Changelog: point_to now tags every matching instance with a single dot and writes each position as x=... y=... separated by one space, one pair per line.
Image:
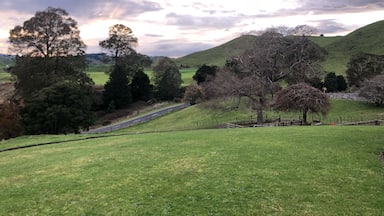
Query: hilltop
x=368 y=39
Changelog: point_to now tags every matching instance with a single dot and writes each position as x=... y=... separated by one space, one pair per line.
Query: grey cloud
x=330 y=27
x=341 y=5
x=154 y=35
x=83 y=8
x=174 y=48
x=188 y=21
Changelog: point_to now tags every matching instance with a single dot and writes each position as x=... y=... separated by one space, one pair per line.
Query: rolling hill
x=368 y=39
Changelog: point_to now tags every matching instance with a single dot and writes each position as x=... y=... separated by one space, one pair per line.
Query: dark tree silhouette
x=167 y=80
x=205 y=72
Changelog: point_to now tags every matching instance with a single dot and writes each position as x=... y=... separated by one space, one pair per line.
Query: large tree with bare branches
x=272 y=59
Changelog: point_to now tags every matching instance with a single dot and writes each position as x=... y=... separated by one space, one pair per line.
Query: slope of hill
x=219 y=54
x=369 y=39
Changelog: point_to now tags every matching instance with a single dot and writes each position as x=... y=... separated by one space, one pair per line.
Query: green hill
x=368 y=39
x=219 y=54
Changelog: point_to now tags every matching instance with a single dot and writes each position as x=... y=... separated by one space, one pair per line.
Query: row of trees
x=55 y=95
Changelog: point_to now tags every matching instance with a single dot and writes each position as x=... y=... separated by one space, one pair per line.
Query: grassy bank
x=255 y=171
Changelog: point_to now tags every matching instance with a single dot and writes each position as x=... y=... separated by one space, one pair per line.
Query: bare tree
x=303 y=98
x=272 y=59
x=373 y=90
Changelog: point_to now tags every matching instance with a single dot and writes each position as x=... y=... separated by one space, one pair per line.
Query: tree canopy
x=167 y=79
x=302 y=98
x=60 y=108
x=120 y=41
x=49 y=33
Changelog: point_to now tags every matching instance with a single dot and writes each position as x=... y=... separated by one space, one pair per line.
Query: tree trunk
x=260 y=119
x=305 y=116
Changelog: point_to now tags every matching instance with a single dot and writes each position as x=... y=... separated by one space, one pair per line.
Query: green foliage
x=253 y=171
x=140 y=86
x=36 y=73
x=167 y=80
x=364 y=66
x=330 y=82
x=117 y=89
x=63 y=107
x=205 y=72
x=341 y=83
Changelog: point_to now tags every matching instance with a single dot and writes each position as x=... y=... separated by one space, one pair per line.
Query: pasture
x=199 y=117
x=100 y=78
x=5 y=77
x=252 y=171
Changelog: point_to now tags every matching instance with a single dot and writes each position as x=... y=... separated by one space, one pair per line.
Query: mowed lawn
x=253 y=171
x=100 y=78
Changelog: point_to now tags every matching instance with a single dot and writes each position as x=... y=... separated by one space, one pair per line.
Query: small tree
x=167 y=80
x=341 y=83
x=120 y=41
x=141 y=86
x=303 y=98
x=373 y=90
x=117 y=90
x=194 y=94
x=330 y=82
x=204 y=72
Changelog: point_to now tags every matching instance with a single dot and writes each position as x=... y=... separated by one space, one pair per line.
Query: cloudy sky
x=178 y=27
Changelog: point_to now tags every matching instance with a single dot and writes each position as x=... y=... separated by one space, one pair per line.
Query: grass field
x=255 y=171
x=100 y=78
x=196 y=117
x=5 y=77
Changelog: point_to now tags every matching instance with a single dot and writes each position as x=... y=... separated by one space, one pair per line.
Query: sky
x=176 y=28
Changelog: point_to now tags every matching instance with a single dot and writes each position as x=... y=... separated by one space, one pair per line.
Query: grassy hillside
x=254 y=171
x=218 y=55
x=367 y=39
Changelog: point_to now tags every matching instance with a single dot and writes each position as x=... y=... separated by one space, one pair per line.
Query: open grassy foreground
x=253 y=171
